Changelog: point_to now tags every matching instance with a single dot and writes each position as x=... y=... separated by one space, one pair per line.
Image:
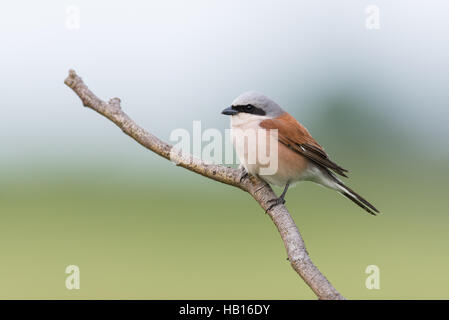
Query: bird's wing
x=296 y=137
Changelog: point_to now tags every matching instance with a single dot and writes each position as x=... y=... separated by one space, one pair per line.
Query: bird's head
x=253 y=104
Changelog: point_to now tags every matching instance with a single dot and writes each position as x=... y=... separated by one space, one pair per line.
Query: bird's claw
x=276 y=201
x=243 y=175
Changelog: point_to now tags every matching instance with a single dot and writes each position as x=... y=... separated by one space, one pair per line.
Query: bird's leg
x=279 y=200
x=244 y=174
x=285 y=191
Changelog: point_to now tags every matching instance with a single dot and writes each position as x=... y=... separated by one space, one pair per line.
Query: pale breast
x=244 y=138
x=261 y=154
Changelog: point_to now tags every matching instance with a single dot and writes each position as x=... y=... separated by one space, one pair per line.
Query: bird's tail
x=356 y=198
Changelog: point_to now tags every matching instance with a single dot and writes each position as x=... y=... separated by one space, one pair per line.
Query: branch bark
x=258 y=189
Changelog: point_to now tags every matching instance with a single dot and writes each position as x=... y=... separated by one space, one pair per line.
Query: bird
x=299 y=156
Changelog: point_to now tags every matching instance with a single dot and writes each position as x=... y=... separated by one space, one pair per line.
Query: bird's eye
x=249 y=107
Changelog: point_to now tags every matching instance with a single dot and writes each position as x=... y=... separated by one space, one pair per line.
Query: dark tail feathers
x=357 y=199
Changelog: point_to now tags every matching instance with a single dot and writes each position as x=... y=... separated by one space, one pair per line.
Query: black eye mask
x=249 y=108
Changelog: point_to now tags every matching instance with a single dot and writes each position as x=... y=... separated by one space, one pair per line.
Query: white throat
x=244 y=119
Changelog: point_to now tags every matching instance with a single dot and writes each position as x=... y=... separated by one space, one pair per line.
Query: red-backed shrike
x=298 y=156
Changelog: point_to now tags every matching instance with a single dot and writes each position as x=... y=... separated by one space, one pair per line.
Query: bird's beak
x=229 y=111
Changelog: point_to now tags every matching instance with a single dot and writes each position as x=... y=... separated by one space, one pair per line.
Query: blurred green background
x=75 y=190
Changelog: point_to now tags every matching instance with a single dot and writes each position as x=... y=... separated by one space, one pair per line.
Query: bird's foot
x=243 y=174
x=275 y=202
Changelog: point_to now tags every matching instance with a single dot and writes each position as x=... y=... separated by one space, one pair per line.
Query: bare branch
x=257 y=188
